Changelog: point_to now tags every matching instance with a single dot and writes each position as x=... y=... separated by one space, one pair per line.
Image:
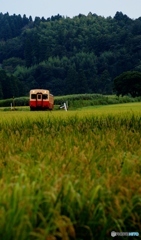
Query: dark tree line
x=10 y=86
x=83 y=54
x=128 y=83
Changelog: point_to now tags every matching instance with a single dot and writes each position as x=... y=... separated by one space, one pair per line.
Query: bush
x=75 y=101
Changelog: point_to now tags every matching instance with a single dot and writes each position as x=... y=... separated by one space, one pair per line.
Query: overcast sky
x=70 y=8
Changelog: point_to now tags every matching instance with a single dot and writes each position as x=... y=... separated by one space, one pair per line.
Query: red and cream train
x=41 y=99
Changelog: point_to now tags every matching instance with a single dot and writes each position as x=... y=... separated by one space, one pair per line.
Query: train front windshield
x=33 y=96
x=45 y=96
x=39 y=96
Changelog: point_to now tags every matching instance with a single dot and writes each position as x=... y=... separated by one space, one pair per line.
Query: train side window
x=33 y=96
x=45 y=96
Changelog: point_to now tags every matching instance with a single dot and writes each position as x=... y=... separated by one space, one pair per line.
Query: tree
x=28 y=53
x=80 y=54
x=82 y=82
x=105 y=85
x=10 y=64
x=1 y=93
x=71 y=81
x=128 y=83
x=9 y=85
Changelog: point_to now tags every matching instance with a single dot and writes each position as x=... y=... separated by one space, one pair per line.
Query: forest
x=83 y=54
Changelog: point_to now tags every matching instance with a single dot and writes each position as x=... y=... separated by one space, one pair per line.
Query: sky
x=71 y=8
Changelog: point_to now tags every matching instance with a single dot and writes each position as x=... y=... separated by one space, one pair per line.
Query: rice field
x=70 y=175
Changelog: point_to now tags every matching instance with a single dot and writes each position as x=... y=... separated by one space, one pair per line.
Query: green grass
x=75 y=101
x=70 y=175
x=114 y=108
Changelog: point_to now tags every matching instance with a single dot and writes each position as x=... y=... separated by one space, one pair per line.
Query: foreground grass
x=69 y=175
